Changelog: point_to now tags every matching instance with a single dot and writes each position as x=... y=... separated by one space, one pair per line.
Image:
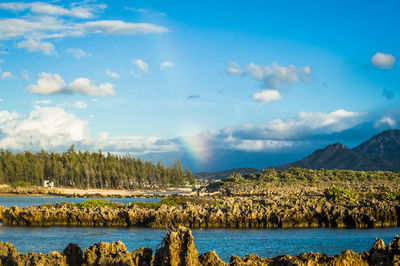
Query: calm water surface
x=28 y=201
x=266 y=243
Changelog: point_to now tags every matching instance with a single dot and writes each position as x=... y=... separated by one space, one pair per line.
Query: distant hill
x=223 y=174
x=381 y=152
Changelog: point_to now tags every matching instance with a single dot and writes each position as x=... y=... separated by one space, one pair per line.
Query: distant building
x=47 y=183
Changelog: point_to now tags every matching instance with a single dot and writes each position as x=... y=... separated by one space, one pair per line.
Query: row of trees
x=89 y=170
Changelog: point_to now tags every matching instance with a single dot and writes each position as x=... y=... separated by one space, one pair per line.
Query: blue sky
x=216 y=84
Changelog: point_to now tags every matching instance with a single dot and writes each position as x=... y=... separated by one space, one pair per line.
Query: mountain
x=223 y=174
x=381 y=152
x=385 y=145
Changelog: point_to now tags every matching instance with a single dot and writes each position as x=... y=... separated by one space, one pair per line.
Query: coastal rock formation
x=10 y=256
x=74 y=254
x=270 y=211
x=211 y=258
x=108 y=254
x=178 y=249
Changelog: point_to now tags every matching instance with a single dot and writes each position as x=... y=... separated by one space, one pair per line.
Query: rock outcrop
x=269 y=211
x=178 y=249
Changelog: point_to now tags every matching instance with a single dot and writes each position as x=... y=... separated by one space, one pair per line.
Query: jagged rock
x=348 y=258
x=378 y=255
x=53 y=258
x=73 y=254
x=7 y=249
x=108 y=254
x=211 y=258
x=178 y=249
x=142 y=256
x=8 y=254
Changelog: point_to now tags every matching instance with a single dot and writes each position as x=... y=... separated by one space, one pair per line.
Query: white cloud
x=25 y=76
x=37 y=27
x=119 y=27
x=166 y=64
x=111 y=74
x=78 y=53
x=48 y=27
x=80 y=104
x=272 y=77
x=6 y=74
x=48 y=83
x=267 y=96
x=45 y=102
x=235 y=69
x=382 y=60
x=48 y=126
x=275 y=76
x=53 y=126
x=385 y=122
x=53 y=10
x=136 y=144
x=1 y=100
x=141 y=65
x=86 y=86
x=261 y=145
x=6 y=117
x=37 y=46
x=304 y=124
x=133 y=9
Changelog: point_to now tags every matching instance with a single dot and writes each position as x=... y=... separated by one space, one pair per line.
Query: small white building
x=47 y=183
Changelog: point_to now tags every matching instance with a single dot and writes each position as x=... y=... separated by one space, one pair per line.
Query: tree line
x=89 y=170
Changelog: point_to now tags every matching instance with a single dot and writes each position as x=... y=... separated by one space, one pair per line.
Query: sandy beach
x=7 y=190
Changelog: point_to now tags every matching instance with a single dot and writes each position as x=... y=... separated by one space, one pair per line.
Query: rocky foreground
x=178 y=248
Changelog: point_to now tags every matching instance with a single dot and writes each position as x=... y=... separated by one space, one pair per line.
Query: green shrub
x=217 y=203
x=235 y=178
x=390 y=196
x=95 y=203
x=171 y=201
x=337 y=194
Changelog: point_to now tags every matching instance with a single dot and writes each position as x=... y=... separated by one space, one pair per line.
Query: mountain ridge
x=380 y=152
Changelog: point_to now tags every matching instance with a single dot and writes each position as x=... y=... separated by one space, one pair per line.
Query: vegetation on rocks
x=280 y=207
x=340 y=183
x=96 y=203
x=178 y=249
x=338 y=194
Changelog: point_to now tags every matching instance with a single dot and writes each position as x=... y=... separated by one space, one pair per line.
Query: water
x=226 y=242
x=29 y=201
x=263 y=242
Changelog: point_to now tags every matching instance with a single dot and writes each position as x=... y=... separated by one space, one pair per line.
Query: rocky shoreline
x=237 y=212
x=178 y=248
